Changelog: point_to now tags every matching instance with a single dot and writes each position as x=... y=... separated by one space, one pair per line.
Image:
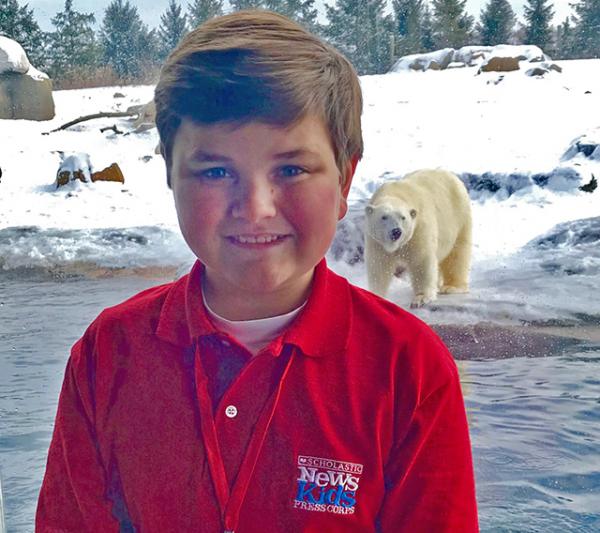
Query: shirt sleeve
x=429 y=476
x=73 y=497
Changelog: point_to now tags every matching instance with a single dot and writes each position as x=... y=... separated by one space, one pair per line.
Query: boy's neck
x=233 y=303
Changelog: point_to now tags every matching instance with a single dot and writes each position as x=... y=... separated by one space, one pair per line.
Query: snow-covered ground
x=509 y=136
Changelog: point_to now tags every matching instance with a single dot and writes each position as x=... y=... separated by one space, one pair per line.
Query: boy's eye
x=214 y=173
x=290 y=171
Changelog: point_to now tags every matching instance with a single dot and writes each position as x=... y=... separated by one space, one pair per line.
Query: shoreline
x=481 y=340
x=487 y=340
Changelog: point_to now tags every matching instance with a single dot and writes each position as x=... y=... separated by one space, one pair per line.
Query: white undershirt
x=253 y=334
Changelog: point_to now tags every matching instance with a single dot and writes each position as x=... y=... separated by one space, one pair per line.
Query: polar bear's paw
x=449 y=289
x=420 y=300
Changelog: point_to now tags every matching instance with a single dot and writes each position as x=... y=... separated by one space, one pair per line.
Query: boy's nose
x=255 y=201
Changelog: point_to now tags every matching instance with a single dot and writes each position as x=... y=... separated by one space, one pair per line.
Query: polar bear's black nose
x=395 y=234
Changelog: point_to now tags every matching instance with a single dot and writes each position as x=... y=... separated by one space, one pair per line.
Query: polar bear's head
x=391 y=224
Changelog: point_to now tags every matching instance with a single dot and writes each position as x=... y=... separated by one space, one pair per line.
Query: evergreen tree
x=302 y=11
x=565 y=40
x=237 y=5
x=127 y=44
x=18 y=23
x=497 y=23
x=201 y=10
x=538 y=19
x=362 y=32
x=72 y=44
x=587 y=31
x=408 y=15
x=452 y=26
x=427 y=39
x=173 y=26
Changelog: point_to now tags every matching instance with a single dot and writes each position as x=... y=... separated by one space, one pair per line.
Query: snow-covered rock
x=568 y=249
x=12 y=56
x=74 y=166
x=499 y=58
x=586 y=146
x=25 y=92
x=438 y=60
x=503 y=185
x=506 y=57
x=522 y=52
x=543 y=68
x=469 y=54
x=583 y=232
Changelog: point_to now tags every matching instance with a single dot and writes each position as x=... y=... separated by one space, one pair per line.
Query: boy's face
x=258 y=204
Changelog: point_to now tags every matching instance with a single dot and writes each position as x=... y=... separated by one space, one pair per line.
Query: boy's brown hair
x=259 y=66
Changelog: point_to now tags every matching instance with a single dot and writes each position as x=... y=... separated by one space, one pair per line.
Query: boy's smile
x=258 y=204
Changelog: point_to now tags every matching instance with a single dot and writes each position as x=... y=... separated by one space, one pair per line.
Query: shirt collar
x=321 y=329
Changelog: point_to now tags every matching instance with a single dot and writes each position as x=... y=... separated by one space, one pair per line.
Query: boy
x=261 y=392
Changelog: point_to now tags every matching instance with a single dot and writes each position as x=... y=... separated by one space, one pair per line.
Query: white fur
x=422 y=223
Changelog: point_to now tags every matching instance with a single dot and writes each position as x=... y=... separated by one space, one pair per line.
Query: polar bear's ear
x=369 y=210
x=413 y=213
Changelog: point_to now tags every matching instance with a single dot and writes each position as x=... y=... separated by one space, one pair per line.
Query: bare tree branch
x=95 y=115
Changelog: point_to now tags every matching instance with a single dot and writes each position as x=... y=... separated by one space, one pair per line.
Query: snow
x=524 y=146
x=467 y=53
x=37 y=74
x=527 y=52
x=12 y=56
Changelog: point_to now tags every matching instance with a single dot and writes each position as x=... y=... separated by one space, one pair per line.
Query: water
x=535 y=427
x=535 y=422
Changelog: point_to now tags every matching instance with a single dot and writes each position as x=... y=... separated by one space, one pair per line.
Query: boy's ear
x=348 y=175
x=160 y=149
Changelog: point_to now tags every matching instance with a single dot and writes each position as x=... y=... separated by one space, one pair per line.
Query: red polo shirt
x=352 y=420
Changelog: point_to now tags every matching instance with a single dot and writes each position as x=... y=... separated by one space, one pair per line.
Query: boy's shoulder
x=373 y=311
x=392 y=332
x=138 y=315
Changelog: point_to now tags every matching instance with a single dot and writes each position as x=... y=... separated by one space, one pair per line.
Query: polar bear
x=421 y=223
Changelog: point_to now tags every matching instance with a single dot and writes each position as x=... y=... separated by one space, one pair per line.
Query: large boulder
x=499 y=64
x=25 y=92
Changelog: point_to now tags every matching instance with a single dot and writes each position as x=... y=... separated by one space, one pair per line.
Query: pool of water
x=535 y=429
x=535 y=422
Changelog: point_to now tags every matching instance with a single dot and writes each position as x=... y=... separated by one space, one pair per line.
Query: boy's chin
x=259 y=282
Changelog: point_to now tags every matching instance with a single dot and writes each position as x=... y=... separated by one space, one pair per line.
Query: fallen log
x=105 y=114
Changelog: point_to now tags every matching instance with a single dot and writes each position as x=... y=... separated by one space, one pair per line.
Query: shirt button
x=231 y=411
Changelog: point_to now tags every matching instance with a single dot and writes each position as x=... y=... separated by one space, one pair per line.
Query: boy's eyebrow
x=201 y=155
x=294 y=153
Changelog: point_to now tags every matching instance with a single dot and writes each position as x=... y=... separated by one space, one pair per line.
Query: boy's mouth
x=266 y=238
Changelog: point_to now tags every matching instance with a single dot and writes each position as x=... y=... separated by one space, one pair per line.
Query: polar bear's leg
x=455 y=268
x=380 y=268
x=424 y=277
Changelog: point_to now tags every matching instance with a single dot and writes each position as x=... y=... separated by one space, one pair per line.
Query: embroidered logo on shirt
x=326 y=485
